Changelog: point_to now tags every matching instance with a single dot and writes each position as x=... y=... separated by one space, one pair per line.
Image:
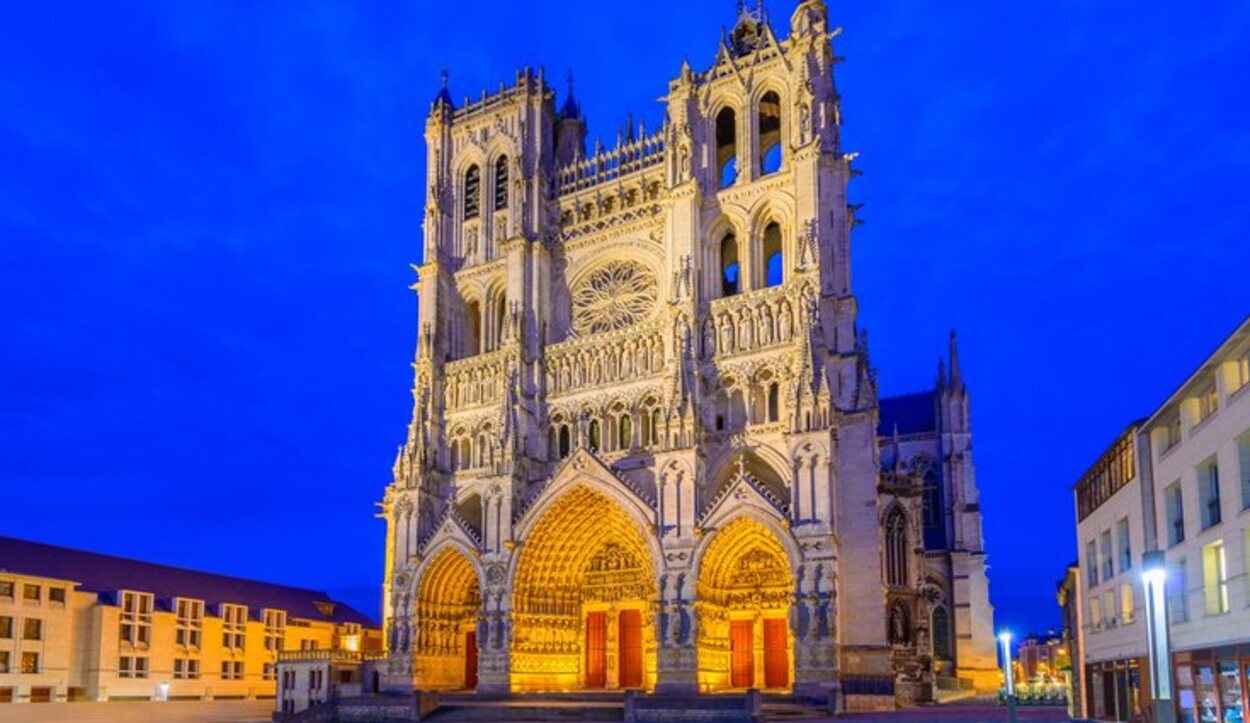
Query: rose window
x=616 y=295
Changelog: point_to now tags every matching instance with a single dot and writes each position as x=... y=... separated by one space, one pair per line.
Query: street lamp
x=1004 y=637
x=1154 y=575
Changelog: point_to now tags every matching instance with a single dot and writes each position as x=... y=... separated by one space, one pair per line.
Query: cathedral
x=647 y=449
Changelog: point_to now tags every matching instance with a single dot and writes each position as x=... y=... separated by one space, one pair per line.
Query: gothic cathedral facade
x=647 y=449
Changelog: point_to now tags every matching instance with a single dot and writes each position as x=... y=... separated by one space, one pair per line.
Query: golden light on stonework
x=582 y=597
x=447 y=605
x=745 y=582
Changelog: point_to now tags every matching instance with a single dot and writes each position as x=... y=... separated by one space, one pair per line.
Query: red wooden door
x=776 y=664
x=596 y=650
x=741 y=654
x=630 y=653
x=470 y=660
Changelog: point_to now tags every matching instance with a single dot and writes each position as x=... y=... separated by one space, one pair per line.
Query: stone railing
x=334 y=656
x=626 y=158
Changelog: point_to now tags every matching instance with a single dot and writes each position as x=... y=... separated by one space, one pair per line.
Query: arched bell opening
x=582 y=596
x=448 y=603
x=744 y=587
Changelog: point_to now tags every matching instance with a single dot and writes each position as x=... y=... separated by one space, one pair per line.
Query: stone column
x=676 y=663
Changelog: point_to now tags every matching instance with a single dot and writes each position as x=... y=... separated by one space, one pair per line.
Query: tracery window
x=617 y=295
x=726 y=147
x=896 y=549
x=472 y=192
x=625 y=437
x=501 y=183
x=941 y=632
x=770 y=133
x=774 y=262
x=730 y=276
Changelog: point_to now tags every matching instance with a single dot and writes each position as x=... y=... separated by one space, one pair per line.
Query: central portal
x=582 y=597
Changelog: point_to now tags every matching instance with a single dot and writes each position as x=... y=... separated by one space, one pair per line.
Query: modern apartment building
x=1178 y=481
x=80 y=626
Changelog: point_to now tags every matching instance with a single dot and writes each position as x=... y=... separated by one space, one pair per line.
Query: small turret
x=570 y=130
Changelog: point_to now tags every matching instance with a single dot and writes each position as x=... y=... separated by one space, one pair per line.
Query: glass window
x=1243 y=472
x=1204 y=693
x=1178 y=592
x=30 y=592
x=1215 y=578
x=1108 y=561
x=1176 y=513
x=1230 y=690
x=1185 y=693
x=6 y=627
x=4 y=662
x=32 y=629
x=30 y=663
x=1126 y=603
x=6 y=588
x=1126 y=548
x=56 y=594
x=1208 y=403
x=1209 y=492
x=1091 y=563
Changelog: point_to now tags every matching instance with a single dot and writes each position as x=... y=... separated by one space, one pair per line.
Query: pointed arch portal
x=448 y=602
x=582 y=596
x=745 y=582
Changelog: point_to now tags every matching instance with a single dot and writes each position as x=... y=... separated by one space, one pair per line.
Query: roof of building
x=913 y=413
x=99 y=573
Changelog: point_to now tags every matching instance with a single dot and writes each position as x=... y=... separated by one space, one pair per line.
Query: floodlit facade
x=647 y=449
x=79 y=626
x=1179 y=482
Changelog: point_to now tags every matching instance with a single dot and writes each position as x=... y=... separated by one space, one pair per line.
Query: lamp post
x=1154 y=576
x=1004 y=637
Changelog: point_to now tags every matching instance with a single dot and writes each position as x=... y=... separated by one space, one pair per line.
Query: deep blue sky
x=207 y=211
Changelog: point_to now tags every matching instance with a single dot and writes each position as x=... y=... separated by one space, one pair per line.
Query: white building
x=1178 y=482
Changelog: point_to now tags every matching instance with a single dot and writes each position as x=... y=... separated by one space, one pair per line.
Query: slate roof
x=913 y=413
x=105 y=574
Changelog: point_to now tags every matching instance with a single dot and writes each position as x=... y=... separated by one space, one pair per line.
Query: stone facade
x=645 y=448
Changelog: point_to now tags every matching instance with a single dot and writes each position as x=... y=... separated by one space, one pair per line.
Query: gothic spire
x=570 y=109
x=956 y=374
x=941 y=375
x=444 y=96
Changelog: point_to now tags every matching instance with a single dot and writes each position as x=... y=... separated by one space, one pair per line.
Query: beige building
x=1178 y=481
x=647 y=448
x=79 y=626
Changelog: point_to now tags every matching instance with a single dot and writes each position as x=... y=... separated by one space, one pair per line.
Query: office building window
x=1215 y=578
x=56 y=594
x=1108 y=561
x=1176 y=513
x=189 y=623
x=233 y=626
x=269 y=671
x=1243 y=471
x=130 y=666
x=1125 y=546
x=1127 y=613
x=6 y=627
x=1209 y=492
x=1208 y=403
x=186 y=669
x=136 y=618
x=1171 y=433
x=31 y=592
x=32 y=629
x=275 y=630
x=6 y=589
x=4 y=662
x=1178 y=591
x=30 y=663
x=1095 y=612
x=232 y=670
x=1091 y=563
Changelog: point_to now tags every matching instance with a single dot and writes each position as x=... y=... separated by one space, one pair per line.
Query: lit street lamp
x=1154 y=576
x=1004 y=637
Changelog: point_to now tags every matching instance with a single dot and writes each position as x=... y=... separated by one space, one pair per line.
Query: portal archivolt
x=582 y=595
x=447 y=604
x=745 y=583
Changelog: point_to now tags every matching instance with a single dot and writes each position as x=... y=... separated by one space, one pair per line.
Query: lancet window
x=769 y=127
x=472 y=192
x=501 y=183
x=726 y=147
